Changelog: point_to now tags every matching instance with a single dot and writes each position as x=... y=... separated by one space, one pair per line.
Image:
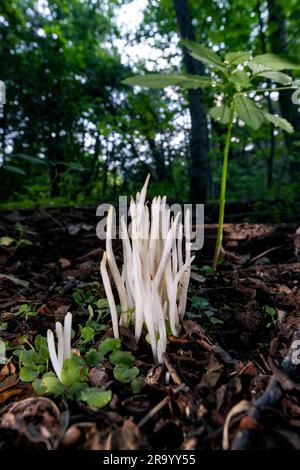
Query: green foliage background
x=73 y=133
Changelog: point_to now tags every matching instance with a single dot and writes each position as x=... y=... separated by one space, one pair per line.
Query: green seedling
x=202 y=310
x=272 y=313
x=26 y=311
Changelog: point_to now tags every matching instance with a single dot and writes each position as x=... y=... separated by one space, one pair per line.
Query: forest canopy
x=73 y=132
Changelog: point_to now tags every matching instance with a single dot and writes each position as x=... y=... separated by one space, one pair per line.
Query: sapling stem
x=223 y=189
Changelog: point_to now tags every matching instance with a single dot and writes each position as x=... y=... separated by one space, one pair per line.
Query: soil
x=229 y=380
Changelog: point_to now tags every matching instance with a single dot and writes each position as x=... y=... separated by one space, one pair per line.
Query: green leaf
x=52 y=384
x=93 y=357
x=28 y=374
x=258 y=68
x=3 y=326
x=276 y=76
x=199 y=302
x=125 y=374
x=41 y=345
x=6 y=241
x=109 y=345
x=93 y=396
x=74 y=370
x=236 y=58
x=87 y=334
x=30 y=159
x=276 y=62
x=270 y=310
x=241 y=80
x=29 y=358
x=122 y=358
x=14 y=169
x=48 y=385
x=202 y=53
x=280 y=122
x=157 y=81
x=37 y=386
x=74 y=392
x=220 y=113
x=249 y=112
x=137 y=384
x=216 y=321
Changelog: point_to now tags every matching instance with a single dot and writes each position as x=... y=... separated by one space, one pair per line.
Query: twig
x=269 y=398
x=159 y=406
x=53 y=219
x=14 y=280
x=264 y=253
x=176 y=379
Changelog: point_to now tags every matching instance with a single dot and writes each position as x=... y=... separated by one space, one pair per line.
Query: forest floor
x=233 y=356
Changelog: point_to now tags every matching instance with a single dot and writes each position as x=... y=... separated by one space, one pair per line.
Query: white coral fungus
x=153 y=286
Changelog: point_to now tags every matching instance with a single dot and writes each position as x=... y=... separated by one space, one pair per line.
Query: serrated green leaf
x=137 y=384
x=93 y=396
x=249 y=112
x=258 y=68
x=74 y=370
x=277 y=76
x=236 y=58
x=122 y=358
x=125 y=374
x=220 y=113
x=158 y=81
x=276 y=62
x=108 y=345
x=202 y=53
x=280 y=122
x=241 y=80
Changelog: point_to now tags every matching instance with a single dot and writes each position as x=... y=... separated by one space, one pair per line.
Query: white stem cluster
x=63 y=334
x=153 y=286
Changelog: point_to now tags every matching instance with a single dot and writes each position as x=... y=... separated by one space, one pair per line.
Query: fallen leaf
x=6 y=241
x=4 y=396
x=33 y=423
x=64 y=263
x=125 y=438
x=8 y=382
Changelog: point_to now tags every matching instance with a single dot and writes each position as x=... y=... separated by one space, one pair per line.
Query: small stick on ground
x=159 y=406
x=176 y=379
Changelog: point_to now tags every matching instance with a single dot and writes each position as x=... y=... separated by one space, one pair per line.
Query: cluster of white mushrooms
x=63 y=334
x=152 y=287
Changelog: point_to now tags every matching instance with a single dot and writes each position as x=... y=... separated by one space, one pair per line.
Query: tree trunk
x=278 y=40
x=199 y=144
x=159 y=160
x=272 y=148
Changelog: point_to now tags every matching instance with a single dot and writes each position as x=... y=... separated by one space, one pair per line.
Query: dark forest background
x=72 y=133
